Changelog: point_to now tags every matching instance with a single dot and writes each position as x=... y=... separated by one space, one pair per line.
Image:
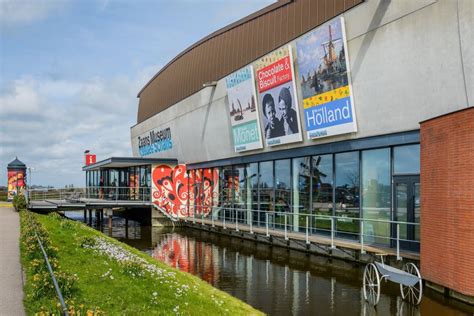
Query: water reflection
x=274 y=280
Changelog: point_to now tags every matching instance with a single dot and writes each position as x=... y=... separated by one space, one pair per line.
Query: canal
x=272 y=279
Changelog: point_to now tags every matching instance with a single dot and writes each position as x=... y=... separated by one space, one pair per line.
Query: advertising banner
x=16 y=182
x=277 y=97
x=323 y=67
x=243 y=111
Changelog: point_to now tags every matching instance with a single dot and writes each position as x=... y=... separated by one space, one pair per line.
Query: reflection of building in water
x=188 y=255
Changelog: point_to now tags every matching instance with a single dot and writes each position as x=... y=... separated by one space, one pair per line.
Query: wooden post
x=110 y=222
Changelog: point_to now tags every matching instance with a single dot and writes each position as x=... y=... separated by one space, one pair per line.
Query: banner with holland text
x=243 y=111
x=323 y=66
x=277 y=97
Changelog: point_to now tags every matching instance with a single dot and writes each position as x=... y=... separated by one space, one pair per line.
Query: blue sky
x=70 y=72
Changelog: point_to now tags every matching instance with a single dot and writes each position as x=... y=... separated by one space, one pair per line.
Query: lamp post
x=28 y=191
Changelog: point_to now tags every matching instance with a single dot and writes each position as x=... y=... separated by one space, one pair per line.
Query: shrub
x=88 y=242
x=41 y=281
x=19 y=202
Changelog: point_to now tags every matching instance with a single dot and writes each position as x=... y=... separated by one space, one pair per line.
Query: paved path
x=11 y=287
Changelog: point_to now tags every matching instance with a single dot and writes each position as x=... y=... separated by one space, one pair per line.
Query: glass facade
x=349 y=190
x=376 y=196
x=406 y=159
x=132 y=183
x=346 y=191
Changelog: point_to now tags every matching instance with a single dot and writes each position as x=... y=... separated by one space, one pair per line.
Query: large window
x=252 y=189
x=376 y=194
x=406 y=159
x=240 y=192
x=301 y=191
x=265 y=186
x=282 y=192
x=322 y=191
x=347 y=193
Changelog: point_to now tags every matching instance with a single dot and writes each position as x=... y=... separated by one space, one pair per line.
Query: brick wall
x=447 y=201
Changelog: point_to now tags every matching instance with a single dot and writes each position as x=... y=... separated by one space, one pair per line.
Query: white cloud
x=50 y=133
x=16 y=12
x=22 y=98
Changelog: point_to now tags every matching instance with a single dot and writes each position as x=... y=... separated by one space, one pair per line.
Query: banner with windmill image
x=243 y=111
x=323 y=66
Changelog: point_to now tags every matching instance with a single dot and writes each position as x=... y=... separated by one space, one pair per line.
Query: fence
x=364 y=231
x=103 y=193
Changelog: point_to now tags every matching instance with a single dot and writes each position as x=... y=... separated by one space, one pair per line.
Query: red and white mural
x=181 y=193
x=190 y=255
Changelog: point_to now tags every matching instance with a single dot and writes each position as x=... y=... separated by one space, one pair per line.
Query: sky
x=70 y=71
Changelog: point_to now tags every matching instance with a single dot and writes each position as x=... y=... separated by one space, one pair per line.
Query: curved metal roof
x=233 y=47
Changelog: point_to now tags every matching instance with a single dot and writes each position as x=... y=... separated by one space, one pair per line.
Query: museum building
x=309 y=109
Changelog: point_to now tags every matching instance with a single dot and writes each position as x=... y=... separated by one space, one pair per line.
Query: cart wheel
x=413 y=293
x=371 y=284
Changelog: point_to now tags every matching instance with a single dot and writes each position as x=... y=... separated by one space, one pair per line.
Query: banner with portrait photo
x=243 y=110
x=323 y=67
x=277 y=97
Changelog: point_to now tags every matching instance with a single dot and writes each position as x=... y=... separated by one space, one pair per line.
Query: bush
x=19 y=202
x=41 y=281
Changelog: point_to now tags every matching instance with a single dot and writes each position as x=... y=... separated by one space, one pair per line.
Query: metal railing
x=363 y=231
x=64 y=308
x=102 y=193
x=54 y=194
x=119 y=193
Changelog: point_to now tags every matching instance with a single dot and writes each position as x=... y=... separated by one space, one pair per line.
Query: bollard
x=286 y=233
x=251 y=230
x=223 y=221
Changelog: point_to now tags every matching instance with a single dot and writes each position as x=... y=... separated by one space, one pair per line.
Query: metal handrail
x=51 y=273
x=102 y=192
x=203 y=211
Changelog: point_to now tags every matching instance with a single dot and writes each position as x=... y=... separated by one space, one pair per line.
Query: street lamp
x=30 y=171
x=28 y=191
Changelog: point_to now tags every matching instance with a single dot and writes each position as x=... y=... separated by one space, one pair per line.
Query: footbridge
x=86 y=198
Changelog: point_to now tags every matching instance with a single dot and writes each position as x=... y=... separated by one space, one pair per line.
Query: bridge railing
x=400 y=235
x=54 y=194
x=119 y=193
x=102 y=193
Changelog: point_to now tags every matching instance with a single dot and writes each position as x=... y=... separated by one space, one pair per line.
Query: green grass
x=118 y=293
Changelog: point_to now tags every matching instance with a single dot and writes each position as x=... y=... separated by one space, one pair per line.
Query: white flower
x=155 y=294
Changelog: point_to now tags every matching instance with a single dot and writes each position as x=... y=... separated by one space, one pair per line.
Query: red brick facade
x=447 y=201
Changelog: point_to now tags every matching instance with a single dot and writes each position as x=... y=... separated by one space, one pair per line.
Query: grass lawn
x=108 y=280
